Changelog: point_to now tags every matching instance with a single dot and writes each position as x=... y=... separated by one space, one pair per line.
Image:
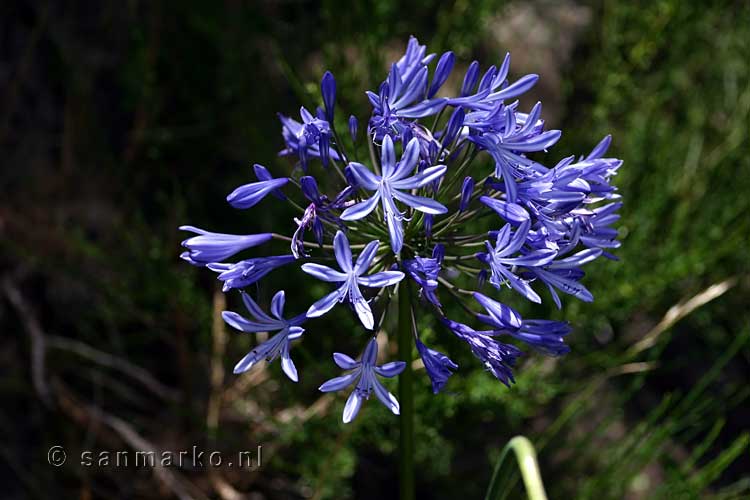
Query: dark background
x=120 y=121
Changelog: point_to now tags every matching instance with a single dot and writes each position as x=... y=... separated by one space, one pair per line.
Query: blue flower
x=353 y=125
x=316 y=212
x=248 y=195
x=309 y=139
x=405 y=85
x=246 y=272
x=492 y=80
x=502 y=261
x=438 y=366
x=210 y=247
x=389 y=186
x=365 y=373
x=511 y=212
x=350 y=277
x=498 y=358
x=328 y=89
x=545 y=336
x=467 y=189
x=565 y=274
x=405 y=95
x=453 y=127
x=592 y=228
x=512 y=135
x=276 y=346
x=425 y=272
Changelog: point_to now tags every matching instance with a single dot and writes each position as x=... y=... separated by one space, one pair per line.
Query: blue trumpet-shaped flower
x=392 y=185
x=510 y=139
x=309 y=139
x=365 y=372
x=276 y=346
x=316 y=213
x=425 y=271
x=565 y=274
x=498 y=358
x=249 y=195
x=210 y=247
x=545 y=336
x=246 y=272
x=502 y=261
x=350 y=277
x=438 y=366
x=328 y=89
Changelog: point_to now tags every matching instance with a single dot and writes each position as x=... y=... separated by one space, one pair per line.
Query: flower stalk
x=406 y=394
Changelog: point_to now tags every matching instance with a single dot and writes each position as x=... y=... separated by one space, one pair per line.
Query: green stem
x=526 y=457
x=406 y=395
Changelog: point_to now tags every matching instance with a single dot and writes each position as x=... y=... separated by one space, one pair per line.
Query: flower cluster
x=451 y=198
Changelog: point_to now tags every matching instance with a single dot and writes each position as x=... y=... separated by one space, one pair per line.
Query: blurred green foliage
x=141 y=116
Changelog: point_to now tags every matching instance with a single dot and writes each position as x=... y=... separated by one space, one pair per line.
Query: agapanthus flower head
x=451 y=172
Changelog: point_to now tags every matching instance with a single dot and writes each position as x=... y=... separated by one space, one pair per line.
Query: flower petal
x=325 y=304
x=502 y=314
x=362 y=308
x=387 y=157
x=391 y=369
x=428 y=175
x=511 y=212
x=515 y=89
x=353 y=404
x=324 y=273
x=249 y=195
x=364 y=176
x=295 y=332
x=361 y=209
x=338 y=383
x=248 y=361
x=534 y=259
x=344 y=362
x=288 y=365
x=385 y=397
x=254 y=309
x=371 y=352
x=245 y=325
x=396 y=231
x=381 y=279
x=342 y=251
x=365 y=258
x=277 y=304
x=408 y=160
x=421 y=203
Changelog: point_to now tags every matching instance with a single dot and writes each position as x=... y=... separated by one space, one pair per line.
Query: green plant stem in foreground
x=527 y=463
x=405 y=395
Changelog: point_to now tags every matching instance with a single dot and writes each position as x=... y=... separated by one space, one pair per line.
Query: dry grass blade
x=108 y=360
x=87 y=415
x=679 y=311
x=36 y=335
